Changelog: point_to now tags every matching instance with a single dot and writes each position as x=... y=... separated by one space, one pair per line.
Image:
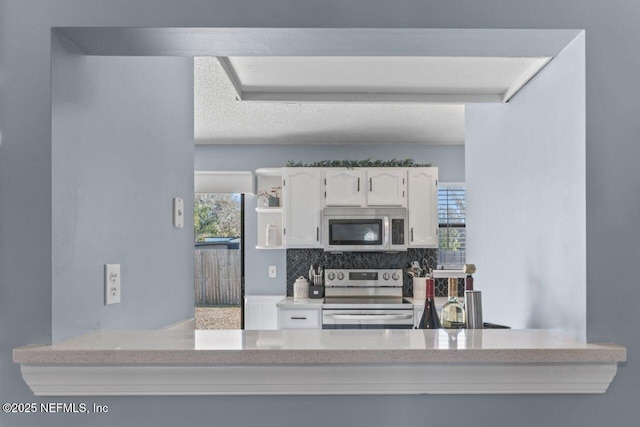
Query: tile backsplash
x=299 y=261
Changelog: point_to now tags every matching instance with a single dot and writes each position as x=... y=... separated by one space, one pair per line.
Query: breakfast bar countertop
x=184 y=362
x=319 y=346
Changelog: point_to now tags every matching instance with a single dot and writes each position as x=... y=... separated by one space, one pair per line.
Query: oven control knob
x=340 y=275
x=385 y=276
x=331 y=275
x=395 y=276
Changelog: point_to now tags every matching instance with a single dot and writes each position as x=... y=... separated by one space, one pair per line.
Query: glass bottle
x=468 y=283
x=452 y=312
x=430 y=318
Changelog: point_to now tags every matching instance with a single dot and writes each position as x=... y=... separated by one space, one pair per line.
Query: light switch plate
x=112 y=290
x=178 y=212
x=272 y=271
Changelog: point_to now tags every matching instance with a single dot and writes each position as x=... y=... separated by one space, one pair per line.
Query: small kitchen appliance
x=364 y=229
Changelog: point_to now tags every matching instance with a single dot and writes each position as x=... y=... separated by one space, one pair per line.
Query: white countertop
x=335 y=362
x=301 y=303
x=319 y=346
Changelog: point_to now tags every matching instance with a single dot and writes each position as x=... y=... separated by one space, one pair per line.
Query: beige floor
x=217 y=317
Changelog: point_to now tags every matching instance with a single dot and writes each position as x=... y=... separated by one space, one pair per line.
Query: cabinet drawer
x=299 y=319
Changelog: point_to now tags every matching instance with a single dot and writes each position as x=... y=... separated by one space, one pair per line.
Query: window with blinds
x=452 y=235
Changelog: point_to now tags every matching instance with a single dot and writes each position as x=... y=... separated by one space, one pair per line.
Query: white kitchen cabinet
x=386 y=187
x=365 y=187
x=344 y=187
x=309 y=318
x=302 y=207
x=422 y=205
x=260 y=312
x=297 y=220
x=269 y=181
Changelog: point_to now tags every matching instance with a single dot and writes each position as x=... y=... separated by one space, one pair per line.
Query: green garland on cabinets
x=368 y=163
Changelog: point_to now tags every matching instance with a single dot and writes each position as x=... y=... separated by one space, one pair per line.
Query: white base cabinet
x=260 y=312
x=299 y=318
x=305 y=313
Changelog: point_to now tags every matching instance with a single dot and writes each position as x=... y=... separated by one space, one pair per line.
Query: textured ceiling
x=221 y=119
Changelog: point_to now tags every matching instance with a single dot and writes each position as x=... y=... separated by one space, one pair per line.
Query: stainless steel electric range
x=365 y=299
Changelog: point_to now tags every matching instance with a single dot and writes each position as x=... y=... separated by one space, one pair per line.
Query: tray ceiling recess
x=394 y=79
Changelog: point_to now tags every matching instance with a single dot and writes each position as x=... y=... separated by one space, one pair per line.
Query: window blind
x=452 y=235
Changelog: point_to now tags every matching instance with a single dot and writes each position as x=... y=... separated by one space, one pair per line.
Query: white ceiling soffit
x=379 y=78
x=226 y=41
x=219 y=118
x=223 y=182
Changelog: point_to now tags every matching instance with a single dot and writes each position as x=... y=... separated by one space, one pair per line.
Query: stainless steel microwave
x=364 y=229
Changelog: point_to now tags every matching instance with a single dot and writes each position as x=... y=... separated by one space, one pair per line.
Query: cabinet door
x=344 y=187
x=386 y=187
x=302 y=207
x=260 y=312
x=423 y=207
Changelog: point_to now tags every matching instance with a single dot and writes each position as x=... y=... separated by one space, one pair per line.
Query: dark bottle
x=430 y=319
x=468 y=283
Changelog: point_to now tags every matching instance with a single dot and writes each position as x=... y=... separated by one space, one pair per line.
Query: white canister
x=301 y=288
x=272 y=235
x=420 y=288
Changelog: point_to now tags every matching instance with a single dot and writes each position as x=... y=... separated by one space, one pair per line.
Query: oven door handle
x=369 y=316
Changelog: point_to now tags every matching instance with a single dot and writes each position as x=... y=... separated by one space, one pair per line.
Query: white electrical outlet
x=111 y=284
x=272 y=271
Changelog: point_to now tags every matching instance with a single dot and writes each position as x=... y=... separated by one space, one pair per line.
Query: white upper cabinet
x=344 y=187
x=386 y=187
x=302 y=207
x=423 y=207
x=297 y=221
x=365 y=187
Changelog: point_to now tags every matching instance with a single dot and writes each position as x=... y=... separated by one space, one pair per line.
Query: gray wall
x=450 y=160
x=526 y=206
x=612 y=199
x=122 y=148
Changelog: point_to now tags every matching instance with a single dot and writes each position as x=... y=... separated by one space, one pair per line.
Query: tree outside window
x=216 y=215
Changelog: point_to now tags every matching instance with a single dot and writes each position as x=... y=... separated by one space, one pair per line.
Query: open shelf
x=269 y=210
x=268 y=179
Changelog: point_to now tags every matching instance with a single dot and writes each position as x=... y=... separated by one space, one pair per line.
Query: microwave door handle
x=386 y=233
